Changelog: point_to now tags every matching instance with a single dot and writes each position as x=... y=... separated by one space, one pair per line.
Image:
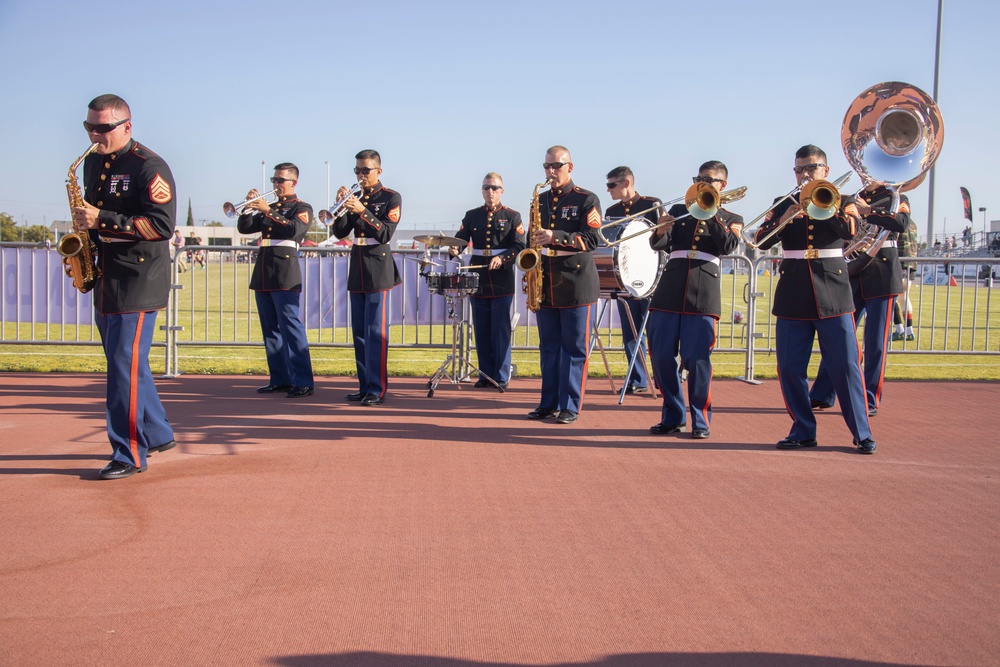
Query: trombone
x=701 y=200
x=234 y=211
x=820 y=200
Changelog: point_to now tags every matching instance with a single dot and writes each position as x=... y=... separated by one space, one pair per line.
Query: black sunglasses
x=279 y=179
x=554 y=165
x=359 y=171
x=494 y=188
x=103 y=128
x=614 y=184
x=706 y=179
x=809 y=167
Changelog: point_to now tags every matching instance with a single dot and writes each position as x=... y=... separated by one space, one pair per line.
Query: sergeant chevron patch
x=394 y=214
x=159 y=190
x=303 y=216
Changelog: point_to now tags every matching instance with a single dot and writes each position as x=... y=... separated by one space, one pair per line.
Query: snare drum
x=631 y=268
x=453 y=284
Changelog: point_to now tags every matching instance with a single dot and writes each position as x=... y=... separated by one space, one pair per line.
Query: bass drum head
x=637 y=266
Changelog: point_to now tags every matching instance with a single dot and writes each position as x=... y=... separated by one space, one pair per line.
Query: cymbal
x=423 y=262
x=430 y=239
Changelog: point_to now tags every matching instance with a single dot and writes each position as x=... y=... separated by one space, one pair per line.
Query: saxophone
x=529 y=260
x=78 y=251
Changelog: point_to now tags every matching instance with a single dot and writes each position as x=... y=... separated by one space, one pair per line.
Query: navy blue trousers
x=638 y=307
x=135 y=416
x=285 y=341
x=839 y=347
x=564 y=337
x=491 y=323
x=370 y=330
x=693 y=337
x=878 y=315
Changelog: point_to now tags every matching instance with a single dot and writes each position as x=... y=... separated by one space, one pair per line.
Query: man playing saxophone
x=129 y=209
x=570 y=217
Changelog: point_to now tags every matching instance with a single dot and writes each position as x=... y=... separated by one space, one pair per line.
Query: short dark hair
x=109 y=101
x=369 y=154
x=714 y=165
x=618 y=172
x=810 y=151
x=288 y=166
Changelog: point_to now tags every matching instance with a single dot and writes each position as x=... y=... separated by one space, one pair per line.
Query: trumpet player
x=497 y=236
x=372 y=272
x=685 y=308
x=277 y=281
x=813 y=297
x=129 y=209
x=569 y=219
x=875 y=290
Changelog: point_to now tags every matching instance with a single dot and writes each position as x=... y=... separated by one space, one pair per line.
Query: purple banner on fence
x=36 y=289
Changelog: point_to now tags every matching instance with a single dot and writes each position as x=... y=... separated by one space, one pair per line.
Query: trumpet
x=326 y=216
x=701 y=200
x=234 y=211
x=820 y=199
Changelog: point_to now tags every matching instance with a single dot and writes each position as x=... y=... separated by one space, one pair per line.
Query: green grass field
x=957 y=336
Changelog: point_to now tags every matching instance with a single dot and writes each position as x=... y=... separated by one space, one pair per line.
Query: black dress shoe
x=120 y=470
x=482 y=383
x=502 y=387
x=542 y=413
x=872 y=412
x=866 y=446
x=633 y=389
x=161 y=448
x=295 y=392
x=271 y=388
x=664 y=429
x=699 y=433
x=566 y=417
x=820 y=405
x=372 y=399
x=356 y=396
x=790 y=443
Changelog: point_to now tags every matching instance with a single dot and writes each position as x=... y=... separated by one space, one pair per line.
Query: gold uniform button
x=812 y=227
x=115 y=227
x=104 y=225
x=810 y=237
x=107 y=165
x=142 y=259
x=697 y=238
x=100 y=204
x=128 y=228
x=104 y=177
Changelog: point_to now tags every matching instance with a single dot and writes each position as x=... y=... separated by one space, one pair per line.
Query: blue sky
x=447 y=91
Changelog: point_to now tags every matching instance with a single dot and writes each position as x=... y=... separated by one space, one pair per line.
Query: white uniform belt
x=486 y=252
x=694 y=254
x=889 y=244
x=813 y=253
x=107 y=239
x=367 y=241
x=264 y=243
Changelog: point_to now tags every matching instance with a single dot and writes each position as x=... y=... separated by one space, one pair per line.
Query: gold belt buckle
x=487 y=253
x=692 y=254
x=810 y=253
x=549 y=252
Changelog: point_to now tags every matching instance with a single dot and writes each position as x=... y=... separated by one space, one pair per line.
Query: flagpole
x=937 y=71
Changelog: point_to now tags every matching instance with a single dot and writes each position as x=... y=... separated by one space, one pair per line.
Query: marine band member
x=497 y=236
x=685 y=308
x=570 y=218
x=372 y=272
x=813 y=297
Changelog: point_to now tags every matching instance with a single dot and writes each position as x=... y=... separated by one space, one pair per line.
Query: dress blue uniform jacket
x=574 y=215
x=277 y=267
x=372 y=268
x=499 y=231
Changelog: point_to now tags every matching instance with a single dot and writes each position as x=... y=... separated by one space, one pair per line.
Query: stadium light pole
x=937 y=71
x=982 y=209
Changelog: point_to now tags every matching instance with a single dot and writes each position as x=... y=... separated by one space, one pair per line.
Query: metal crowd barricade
x=954 y=311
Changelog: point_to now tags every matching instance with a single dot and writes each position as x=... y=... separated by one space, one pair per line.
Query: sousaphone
x=892 y=134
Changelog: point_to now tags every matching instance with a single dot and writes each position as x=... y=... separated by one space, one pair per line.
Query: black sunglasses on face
x=103 y=128
x=706 y=179
x=494 y=188
x=278 y=179
x=364 y=171
x=809 y=167
x=554 y=165
x=614 y=184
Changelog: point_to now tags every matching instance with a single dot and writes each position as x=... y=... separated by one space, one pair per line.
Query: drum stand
x=451 y=368
x=637 y=356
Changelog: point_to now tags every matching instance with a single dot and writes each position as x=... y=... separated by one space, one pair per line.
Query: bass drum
x=630 y=269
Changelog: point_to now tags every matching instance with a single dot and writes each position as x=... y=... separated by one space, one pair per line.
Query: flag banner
x=967 y=202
